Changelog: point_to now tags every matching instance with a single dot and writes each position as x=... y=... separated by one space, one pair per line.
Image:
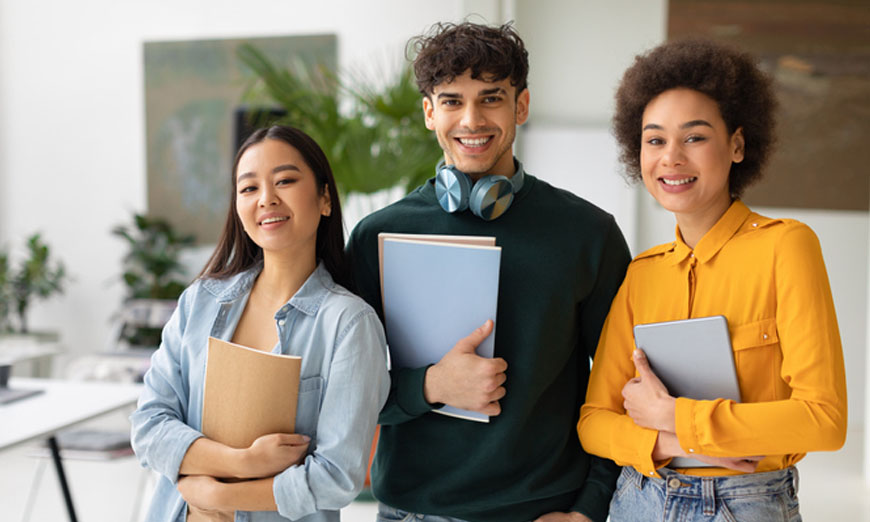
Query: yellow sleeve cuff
x=646 y=445
x=686 y=429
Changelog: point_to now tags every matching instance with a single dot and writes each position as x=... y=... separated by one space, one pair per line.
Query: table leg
x=58 y=465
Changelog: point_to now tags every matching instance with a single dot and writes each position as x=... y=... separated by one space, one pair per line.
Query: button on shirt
x=767 y=277
x=344 y=383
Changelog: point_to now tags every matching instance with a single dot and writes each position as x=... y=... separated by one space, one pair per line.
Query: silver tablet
x=693 y=359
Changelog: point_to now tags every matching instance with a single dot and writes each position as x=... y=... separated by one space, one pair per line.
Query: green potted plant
x=373 y=136
x=154 y=276
x=38 y=276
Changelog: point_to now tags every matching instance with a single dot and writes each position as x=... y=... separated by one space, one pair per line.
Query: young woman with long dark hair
x=273 y=284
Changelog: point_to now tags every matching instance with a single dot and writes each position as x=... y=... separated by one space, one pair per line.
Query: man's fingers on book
x=492 y=409
x=470 y=342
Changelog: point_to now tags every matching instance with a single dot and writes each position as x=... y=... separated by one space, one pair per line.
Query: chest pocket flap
x=750 y=335
x=758 y=359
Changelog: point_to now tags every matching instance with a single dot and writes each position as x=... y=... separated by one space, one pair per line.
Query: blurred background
x=119 y=120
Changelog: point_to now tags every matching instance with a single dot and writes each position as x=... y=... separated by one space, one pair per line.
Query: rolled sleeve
x=159 y=435
x=356 y=390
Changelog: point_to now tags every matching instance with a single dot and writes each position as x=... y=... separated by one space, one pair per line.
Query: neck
x=283 y=275
x=693 y=226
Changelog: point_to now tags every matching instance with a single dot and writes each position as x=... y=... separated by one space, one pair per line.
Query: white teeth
x=674 y=182
x=273 y=220
x=474 y=142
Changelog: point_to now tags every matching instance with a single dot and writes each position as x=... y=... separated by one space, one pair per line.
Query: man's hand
x=647 y=401
x=466 y=380
x=271 y=454
x=556 y=516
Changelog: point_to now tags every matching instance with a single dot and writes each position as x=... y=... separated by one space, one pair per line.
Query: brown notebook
x=248 y=393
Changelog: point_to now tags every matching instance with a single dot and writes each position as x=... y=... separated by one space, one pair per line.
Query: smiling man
x=562 y=262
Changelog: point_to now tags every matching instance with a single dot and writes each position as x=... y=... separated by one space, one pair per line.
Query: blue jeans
x=756 y=497
x=390 y=514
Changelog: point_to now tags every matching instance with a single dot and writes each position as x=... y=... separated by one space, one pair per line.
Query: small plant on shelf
x=153 y=273
x=39 y=276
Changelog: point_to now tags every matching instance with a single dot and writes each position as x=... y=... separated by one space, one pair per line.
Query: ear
x=523 y=106
x=325 y=202
x=738 y=145
x=429 y=112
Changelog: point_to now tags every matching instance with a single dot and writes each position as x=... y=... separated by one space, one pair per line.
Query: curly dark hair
x=448 y=50
x=726 y=74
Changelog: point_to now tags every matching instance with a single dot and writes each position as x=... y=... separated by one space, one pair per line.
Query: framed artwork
x=193 y=92
x=817 y=52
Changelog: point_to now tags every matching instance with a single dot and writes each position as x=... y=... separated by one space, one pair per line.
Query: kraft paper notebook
x=437 y=290
x=248 y=393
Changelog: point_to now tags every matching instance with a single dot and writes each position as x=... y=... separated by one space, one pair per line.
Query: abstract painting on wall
x=193 y=90
x=818 y=55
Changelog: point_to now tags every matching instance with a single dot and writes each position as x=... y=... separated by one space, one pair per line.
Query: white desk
x=62 y=405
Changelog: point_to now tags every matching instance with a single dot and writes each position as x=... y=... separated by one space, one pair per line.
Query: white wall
x=867 y=388
x=72 y=155
x=579 y=50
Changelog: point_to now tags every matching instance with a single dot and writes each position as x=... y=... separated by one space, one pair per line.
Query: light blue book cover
x=435 y=294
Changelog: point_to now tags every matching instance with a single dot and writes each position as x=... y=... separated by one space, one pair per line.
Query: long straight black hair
x=237 y=252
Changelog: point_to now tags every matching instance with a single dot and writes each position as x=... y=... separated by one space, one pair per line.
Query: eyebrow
x=687 y=125
x=485 y=92
x=279 y=168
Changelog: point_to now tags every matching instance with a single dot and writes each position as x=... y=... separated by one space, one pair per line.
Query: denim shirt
x=344 y=383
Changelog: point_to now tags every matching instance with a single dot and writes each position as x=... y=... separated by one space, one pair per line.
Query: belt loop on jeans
x=636 y=477
x=708 y=496
x=795 y=479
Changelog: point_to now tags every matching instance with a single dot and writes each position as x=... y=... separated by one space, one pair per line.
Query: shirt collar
x=310 y=296
x=715 y=238
x=307 y=299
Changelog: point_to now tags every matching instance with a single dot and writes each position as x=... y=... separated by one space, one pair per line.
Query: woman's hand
x=201 y=492
x=668 y=446
x=271 y=454
x=744 y=464
x=646 y=400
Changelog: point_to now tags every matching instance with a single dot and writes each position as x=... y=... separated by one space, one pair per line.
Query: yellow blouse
x=767 y=277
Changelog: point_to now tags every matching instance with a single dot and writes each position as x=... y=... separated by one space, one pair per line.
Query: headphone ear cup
x=491 y=197
x=452 y=188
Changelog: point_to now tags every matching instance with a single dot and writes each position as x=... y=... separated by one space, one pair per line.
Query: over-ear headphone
x=488 y=198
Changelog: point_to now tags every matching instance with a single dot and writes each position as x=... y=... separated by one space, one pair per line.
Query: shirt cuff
x=409 y=387
x=177 y=442
x=685 y=423
x=646 y=445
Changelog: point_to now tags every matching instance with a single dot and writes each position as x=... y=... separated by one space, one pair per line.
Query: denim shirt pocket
x=308 y=406
x=757 y=358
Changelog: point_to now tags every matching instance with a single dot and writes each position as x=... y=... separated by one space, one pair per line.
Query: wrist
x=217 y=494
x=430 y=386
x=669 y=415
x=242 y=463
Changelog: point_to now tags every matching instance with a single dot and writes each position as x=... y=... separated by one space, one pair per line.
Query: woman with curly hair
x=695 y=121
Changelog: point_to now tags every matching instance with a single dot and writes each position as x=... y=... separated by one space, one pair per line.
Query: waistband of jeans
x=749 y=484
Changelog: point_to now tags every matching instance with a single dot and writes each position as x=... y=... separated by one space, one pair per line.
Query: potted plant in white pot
x=154 y=276
x=38 y=276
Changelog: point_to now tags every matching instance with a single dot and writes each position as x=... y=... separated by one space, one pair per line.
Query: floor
x=831 y=487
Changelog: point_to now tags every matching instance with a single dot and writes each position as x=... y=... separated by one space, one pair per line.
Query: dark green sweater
x=562 y=262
